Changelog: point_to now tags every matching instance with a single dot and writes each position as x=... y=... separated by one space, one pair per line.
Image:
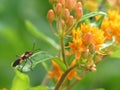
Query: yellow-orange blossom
x=83 y=37
x=111 y=25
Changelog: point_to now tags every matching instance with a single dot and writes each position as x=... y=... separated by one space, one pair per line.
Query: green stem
x=63 y=77
x=63 y=50
x=61 y=34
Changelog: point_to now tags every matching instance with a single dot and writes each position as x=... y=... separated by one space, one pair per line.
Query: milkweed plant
x=85 y=36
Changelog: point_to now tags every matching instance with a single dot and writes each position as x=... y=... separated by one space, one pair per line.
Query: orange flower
x=111 y=25
x=76 y=45
x=73 y=72
x=92 y=35
x=84 y=37
x=56 y=72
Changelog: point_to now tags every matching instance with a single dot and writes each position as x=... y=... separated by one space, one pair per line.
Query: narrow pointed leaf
x=99 y=22
x=107 y=44
x=92 y=14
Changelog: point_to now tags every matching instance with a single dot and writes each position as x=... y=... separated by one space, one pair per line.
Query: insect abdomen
x=17 y=62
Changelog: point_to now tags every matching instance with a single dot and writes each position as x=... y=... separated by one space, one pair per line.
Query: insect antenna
x=33 y=48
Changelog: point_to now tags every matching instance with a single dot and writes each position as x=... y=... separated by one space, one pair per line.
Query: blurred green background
x=15 y=39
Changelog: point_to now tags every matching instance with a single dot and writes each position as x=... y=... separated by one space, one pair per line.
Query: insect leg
x=23 y=65
x=31 y=63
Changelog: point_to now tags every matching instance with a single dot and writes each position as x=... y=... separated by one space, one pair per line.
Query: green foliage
x=38 y=34
x=21 y=81
x=60 y=63
x=92 y=14
x=108 y=44
x=99 y=21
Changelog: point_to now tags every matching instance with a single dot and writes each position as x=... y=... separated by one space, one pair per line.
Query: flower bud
x=70 y=21
x=62 y=2
x=58 y=9
x=78 y=13
x=66 y=14
x=79 y=4
x=50 y=15
x=70 y=4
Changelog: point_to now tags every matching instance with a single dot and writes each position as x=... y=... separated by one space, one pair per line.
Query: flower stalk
x=63 y=78
x=63 y=49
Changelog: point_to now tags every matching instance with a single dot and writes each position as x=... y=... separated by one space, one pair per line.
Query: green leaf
x=108 y=44
x=40 y=57
x=32 y=61
x=92 y=14
x=20 y=82
x=39 y=88
x=60 y=63
x=33 y=30
x=99 y=22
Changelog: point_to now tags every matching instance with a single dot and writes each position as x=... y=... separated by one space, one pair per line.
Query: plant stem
x=63 y=77
x=45 y=80
x=63 y=50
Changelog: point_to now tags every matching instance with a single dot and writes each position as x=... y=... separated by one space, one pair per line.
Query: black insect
x=24 y=57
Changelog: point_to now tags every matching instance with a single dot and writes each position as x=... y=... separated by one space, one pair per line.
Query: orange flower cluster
x=85 y=38
x=111 y=25
x=62 y=13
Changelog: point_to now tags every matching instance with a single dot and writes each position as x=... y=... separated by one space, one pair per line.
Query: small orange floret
x=56 y=72
x=73 y=73
x=76 y=45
